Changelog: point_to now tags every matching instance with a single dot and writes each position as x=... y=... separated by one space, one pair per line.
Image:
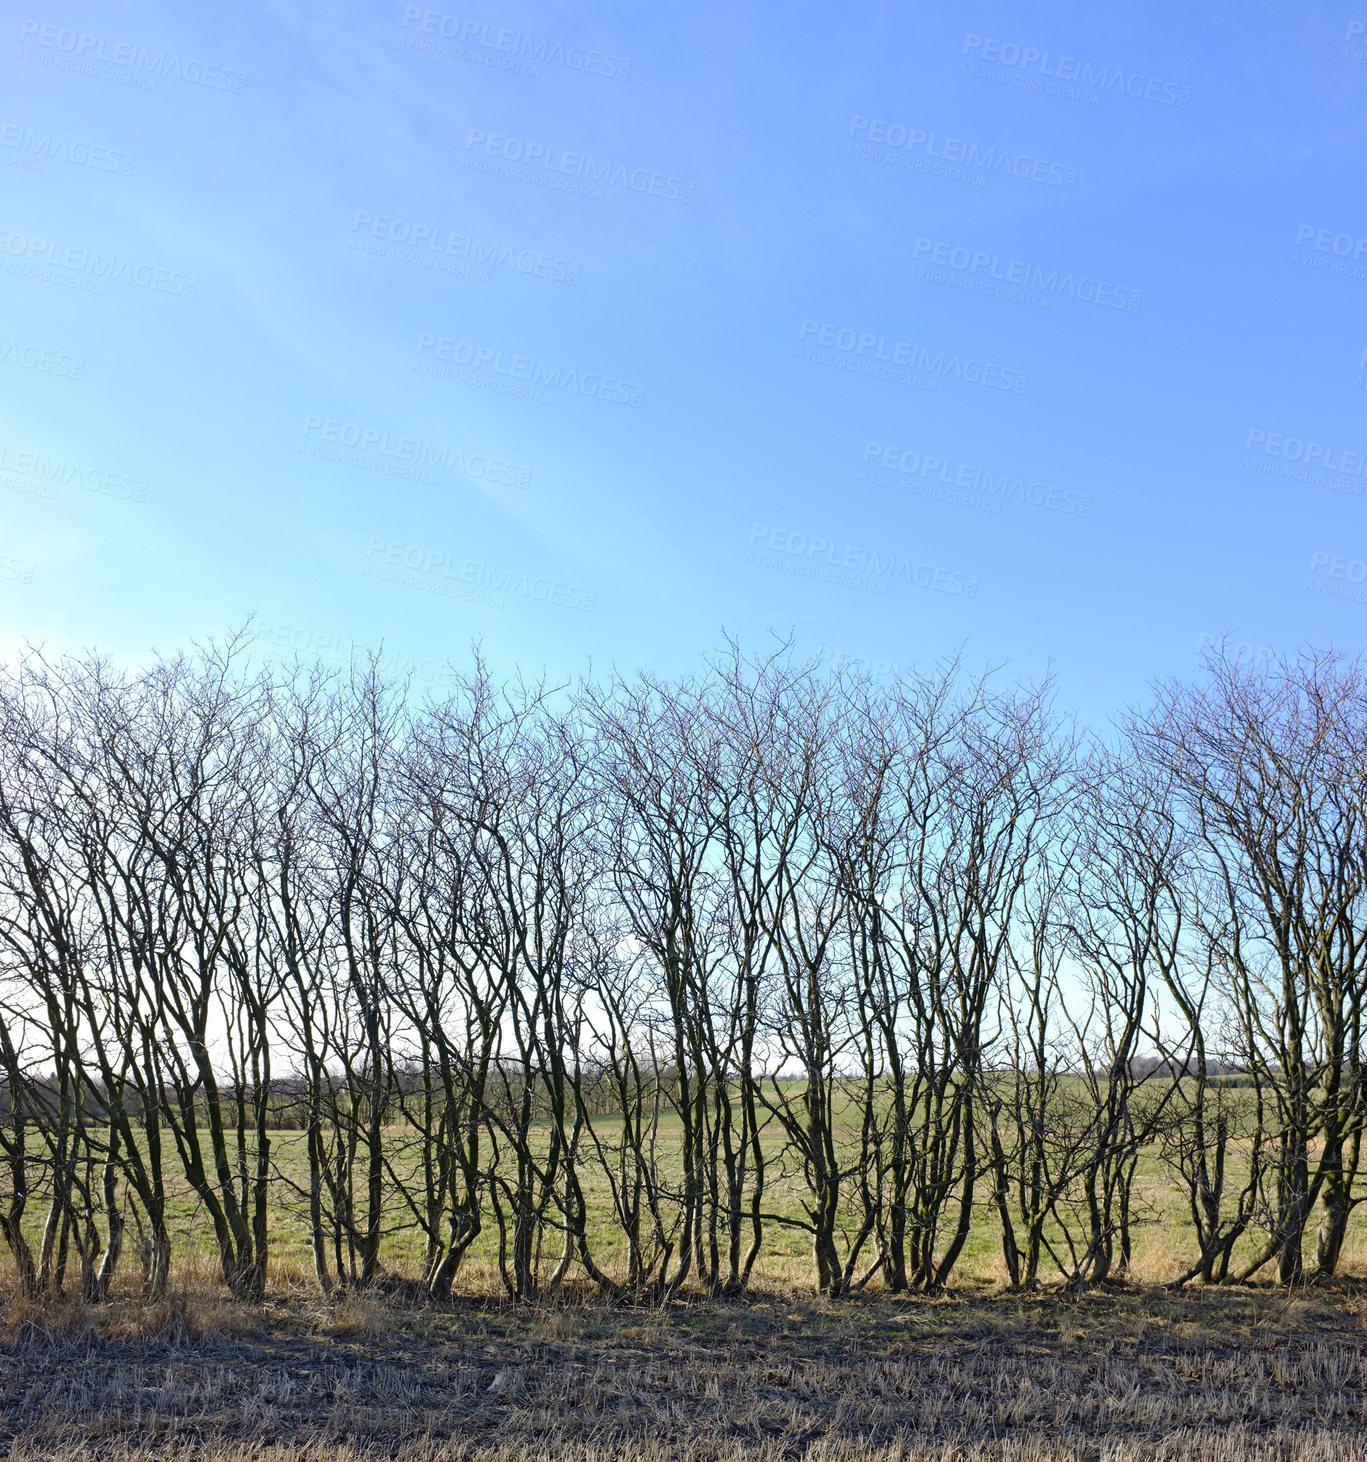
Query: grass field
x=1163 y=1241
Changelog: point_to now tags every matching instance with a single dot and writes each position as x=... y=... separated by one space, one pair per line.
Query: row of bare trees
x=624 y=980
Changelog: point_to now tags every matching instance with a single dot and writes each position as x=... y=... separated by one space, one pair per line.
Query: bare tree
x=1270 y=771
x=624 y=981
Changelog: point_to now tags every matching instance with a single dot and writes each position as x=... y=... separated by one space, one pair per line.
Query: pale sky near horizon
x=589 y=332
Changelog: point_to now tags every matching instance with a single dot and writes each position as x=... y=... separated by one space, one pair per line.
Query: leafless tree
x=622 y=980
x=1270 y=769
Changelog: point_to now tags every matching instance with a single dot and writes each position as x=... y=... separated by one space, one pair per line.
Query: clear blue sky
x=590 y=331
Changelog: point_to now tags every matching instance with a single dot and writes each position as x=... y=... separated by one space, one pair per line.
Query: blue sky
x=589 y=332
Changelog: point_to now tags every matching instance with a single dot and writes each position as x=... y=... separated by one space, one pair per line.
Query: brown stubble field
x=1126 y=1373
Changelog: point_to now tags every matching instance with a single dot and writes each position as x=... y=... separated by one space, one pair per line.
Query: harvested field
x=1120 y=1374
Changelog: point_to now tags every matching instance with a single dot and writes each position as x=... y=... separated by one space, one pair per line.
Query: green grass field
x=1163 y=1241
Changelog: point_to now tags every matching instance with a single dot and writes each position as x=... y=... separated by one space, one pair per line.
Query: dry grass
x=1236 y=1444
x=1125 y=1374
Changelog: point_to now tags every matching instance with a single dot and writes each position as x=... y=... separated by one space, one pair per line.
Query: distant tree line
x=627 y=978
